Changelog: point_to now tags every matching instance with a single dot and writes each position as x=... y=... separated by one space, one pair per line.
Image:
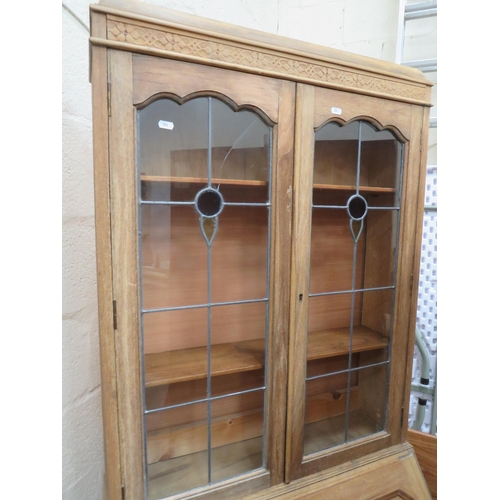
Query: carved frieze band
x=220 y=51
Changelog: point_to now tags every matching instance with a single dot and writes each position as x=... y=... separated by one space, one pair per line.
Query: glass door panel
x=354 y=233
x=205 y=230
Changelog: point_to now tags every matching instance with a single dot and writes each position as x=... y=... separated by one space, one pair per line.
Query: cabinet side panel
x=280 y=282
x=125 y=264
x=103 y=254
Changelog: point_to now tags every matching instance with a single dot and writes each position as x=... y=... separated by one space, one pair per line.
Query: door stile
x=420 y=117
x=124 y=226
x=299 y=289
x=282 y=183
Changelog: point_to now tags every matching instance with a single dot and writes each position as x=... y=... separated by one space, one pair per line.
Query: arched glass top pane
x=356 y=159
x=202 y=143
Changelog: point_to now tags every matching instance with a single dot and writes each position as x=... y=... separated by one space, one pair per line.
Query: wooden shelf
x=363 y=189
x=255 y=183
x=170 y=367
x=202 y=180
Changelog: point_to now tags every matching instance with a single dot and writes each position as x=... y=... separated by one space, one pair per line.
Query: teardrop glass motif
x=208 y=228
x=356 y=229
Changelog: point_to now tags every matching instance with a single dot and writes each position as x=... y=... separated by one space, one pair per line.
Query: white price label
x=336 y=111
x=166 y=125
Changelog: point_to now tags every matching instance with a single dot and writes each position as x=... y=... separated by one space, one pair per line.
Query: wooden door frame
x=406 y=121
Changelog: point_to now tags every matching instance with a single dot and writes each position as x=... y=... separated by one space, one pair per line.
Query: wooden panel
x=104 y=262
x=154 y=76
x=202 y=180
x=379 y=163
x=394 y=471
x=187 y=439
x=300 y=259
x=335 y=162
x=242 y=164
x=326 y=405
x=161 y=396
x=323 y=344
x=279 y=305
x=125 y=258
x=386 y=113
x=183 y=473
x=169 y=367
x=425 y=446
x=198 y=412
x=412 y=205
x=332 y=252
x=227 y=428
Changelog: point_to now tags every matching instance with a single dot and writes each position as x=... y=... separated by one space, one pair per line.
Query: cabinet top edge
x=151 y=16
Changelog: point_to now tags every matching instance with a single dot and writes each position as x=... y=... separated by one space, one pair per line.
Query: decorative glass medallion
x=209 y=202
x=357 y=207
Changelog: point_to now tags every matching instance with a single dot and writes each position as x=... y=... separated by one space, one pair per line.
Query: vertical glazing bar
x=209 y=309
x=358 y=164
x=139 y=208
x=353 y=297
x=209 y=377
x=209 y=152
x=268 y=287
x=399 y=188
x=351 y=333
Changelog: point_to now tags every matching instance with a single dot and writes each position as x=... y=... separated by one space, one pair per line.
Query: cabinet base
x=389 y=475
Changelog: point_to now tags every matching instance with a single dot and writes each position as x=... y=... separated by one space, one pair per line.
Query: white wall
x=366 y=27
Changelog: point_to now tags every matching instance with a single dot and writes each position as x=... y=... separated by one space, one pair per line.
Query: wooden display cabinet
x=258 y=208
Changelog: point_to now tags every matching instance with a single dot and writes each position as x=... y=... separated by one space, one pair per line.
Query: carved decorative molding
x=260 y=60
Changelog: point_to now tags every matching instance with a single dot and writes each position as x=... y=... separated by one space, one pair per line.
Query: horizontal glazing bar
x=188 y=203
x=179 y=203
x=323 y=375
x=200 y=306
x=243 y=204
x=374 y=289
x=204 y=400
x=345 y=207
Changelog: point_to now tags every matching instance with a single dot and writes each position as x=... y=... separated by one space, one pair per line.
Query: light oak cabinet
x=258 y=208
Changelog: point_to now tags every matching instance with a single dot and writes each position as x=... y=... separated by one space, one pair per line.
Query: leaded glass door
x=210 y=348
x=346 y=260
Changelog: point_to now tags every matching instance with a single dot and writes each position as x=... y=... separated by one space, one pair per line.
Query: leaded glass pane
x=205 y=225
x=354 y=233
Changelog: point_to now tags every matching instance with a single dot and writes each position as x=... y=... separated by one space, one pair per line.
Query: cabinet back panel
x=332 y=252
x=175 y=274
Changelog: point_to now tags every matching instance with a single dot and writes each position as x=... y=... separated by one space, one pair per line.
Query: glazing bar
x=243 y=204
x=204 y=400
x=209 y=152
x=146 y=202
x=209 y=367
x=347 y=370
x=374 y=289
x=200 y=306
x=345 y=207
x=268 y=289
x=358 y=164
